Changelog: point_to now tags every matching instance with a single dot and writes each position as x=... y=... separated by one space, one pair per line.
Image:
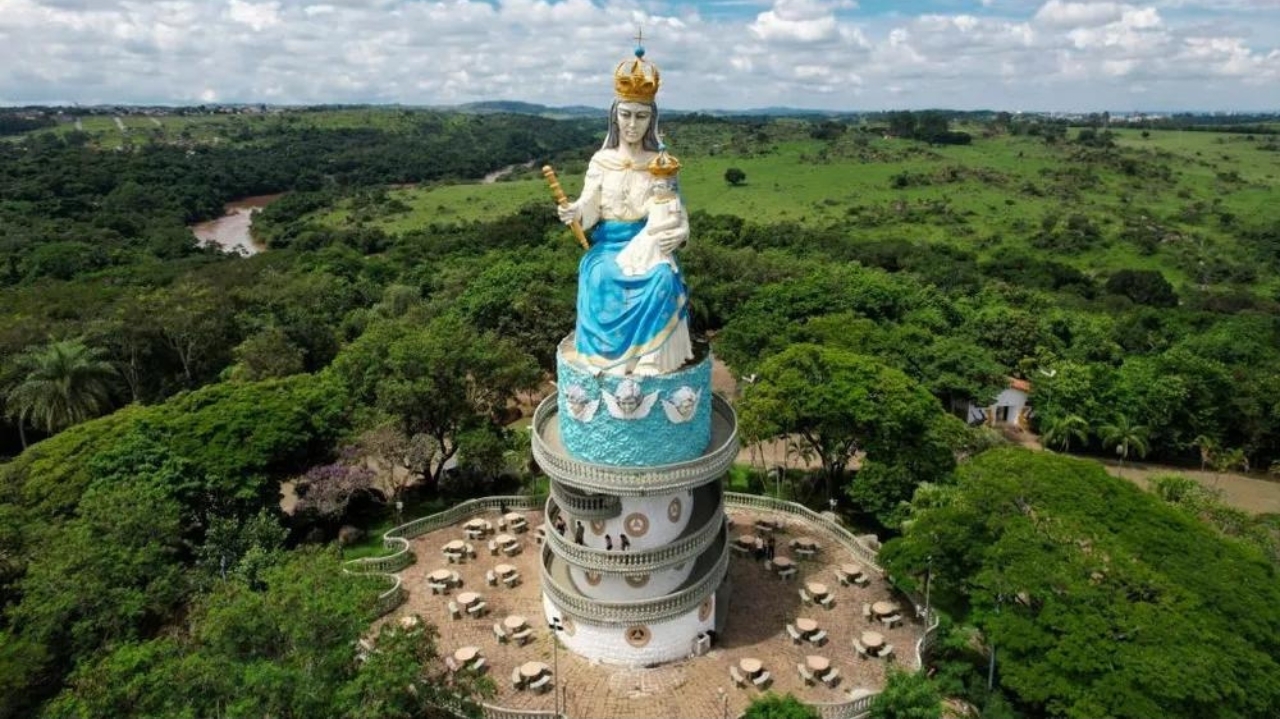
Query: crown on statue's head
x=636 y=80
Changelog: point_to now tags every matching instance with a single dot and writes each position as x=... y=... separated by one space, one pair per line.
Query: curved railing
x=586 y=506
x=637 y=481
x=397 y=538
x=636 y=561
x=638 y=610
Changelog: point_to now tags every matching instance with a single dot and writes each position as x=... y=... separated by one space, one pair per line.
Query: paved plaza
x=762 y=605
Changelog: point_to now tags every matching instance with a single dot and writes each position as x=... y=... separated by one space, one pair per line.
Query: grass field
x=991 y=196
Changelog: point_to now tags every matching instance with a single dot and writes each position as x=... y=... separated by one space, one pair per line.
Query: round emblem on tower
x=568 y=627
x=593 y=578
x=637 y=524
x=674 y=509
x=637 y=580
x=638 y=636
x=597 y=527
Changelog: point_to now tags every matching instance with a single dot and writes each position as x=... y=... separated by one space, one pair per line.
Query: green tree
x=1041 y=550
x=1059 y=430
x=735 y=176
x=266 y=354
x=1125 y=437
x=447 y=379
x=907 y=695
x=779 y=706
x=63 y=383
x=835 y=403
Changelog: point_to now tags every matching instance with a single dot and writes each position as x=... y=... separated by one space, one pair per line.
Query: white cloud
x=1018 y=54
x=256 y=16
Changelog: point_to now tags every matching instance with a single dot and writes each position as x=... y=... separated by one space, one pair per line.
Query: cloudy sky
x=726 y=54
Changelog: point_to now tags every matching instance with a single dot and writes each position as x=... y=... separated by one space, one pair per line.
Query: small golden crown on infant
x=663 y=165
x=636 y=80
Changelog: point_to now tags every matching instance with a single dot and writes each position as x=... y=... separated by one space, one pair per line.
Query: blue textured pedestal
x=647 y=435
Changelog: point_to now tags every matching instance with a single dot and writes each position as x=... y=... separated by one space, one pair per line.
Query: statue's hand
x=671 y=240
x=570 y=212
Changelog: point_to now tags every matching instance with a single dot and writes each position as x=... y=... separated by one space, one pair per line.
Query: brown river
x=233 y=232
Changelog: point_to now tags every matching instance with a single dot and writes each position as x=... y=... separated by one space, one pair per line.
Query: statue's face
x=633 y=121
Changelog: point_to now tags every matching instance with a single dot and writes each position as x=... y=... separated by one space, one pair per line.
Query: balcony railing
x=586 y=506
x=635 y=481
x=684 y=548
x=635 y=611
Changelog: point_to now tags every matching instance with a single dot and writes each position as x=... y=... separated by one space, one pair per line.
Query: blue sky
x=1056 y=55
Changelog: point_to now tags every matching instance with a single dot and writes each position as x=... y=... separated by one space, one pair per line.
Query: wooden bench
x=886 y=652
x=737 y=676
x=517 y=679
x=819 y=637
x=477 y=609
x=788 y=573
x=762 y=679
x=828 y=602
x=454 y=611
x=511 y=580
x=452 y=665
x=859 y=649
x=844 y=579
x=477 y=665
x=804 y=597
x=490 y=578
x=523 y=637
x=438 y=588
x=892 y=620
x=805 y=674
x=866 y=610
x=740 y=548
x=543 y=683
x=499 y=633
x=794 y=633
x=493 y=548
x=831 y=678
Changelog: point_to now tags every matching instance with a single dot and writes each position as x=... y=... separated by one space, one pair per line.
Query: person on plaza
x=625 y=541
x=608 y=543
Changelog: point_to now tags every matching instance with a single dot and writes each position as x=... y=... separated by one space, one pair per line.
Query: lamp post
x=928 y=581
x=556 y=628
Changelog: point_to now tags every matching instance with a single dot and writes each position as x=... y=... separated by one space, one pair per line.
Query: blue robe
x=622 y=318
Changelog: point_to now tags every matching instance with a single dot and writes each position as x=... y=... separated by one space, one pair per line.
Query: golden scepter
x=558 y=194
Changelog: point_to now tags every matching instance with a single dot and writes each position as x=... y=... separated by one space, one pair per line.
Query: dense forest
x=157 y=394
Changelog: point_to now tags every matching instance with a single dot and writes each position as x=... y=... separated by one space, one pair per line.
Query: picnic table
x=884 y=609
x=805 y=543
x=783 y=563
x=751 y=665
x=456 y=546
x=466 y=655
x=533 y=670
x=818 y=664
x=872 y=640
x=504 y=569
x=817 y=589
x=466 y=599
x=515 y=622
x=806 y=625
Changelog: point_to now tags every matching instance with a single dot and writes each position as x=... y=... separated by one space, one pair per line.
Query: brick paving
x=762 y=604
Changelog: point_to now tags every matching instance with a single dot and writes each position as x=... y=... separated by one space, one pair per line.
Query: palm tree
x=64 y=383
x=1208 y=447
x=1061 y=429
x=1125 y=437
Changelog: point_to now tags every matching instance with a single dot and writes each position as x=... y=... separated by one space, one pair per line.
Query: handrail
x=586 y=506
x=637 y=561
x=636 y=481
x=637 y=610
x=864 y=553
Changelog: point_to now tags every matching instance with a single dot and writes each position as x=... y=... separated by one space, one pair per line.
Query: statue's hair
x=614 y=138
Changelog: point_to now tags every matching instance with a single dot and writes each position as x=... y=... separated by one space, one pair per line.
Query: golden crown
x=665 y=164
x=636 y=80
